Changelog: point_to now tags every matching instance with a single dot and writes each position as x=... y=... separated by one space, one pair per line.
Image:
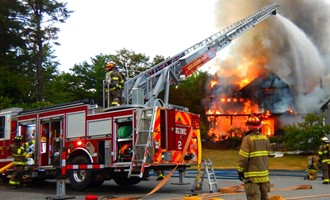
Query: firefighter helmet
x=325 y=139
x=110 y=65
x=253 y=122
x=18 y=138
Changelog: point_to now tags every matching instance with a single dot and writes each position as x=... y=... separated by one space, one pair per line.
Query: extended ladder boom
x=151 y=82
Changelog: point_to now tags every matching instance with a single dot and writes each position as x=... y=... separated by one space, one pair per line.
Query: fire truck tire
x=80 y=179
x=121 y=179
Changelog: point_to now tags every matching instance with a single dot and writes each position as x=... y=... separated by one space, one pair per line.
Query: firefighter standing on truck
x=324 y=158
x=114 y=85
x=253 y=161
x=19 y=154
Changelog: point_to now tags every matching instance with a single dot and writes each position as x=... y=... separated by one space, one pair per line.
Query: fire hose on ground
x=239 y=189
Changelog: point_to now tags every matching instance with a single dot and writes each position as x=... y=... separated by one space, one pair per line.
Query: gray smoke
x=293 y=44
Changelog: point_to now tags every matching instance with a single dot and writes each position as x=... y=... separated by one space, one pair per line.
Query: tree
x=12 y=46
x=11 y=34
x=306 y=135
x=41 y=28
x=86 y=79
x=28 y=30
x=130 y=63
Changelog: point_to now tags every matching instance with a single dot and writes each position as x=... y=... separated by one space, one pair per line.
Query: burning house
x=273 y=71
x=267 y=96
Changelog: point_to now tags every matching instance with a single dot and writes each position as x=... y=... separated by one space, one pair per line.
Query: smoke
x=293 y=44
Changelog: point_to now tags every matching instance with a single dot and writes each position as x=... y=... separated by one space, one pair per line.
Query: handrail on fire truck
x=159 y=77
x=61 y=105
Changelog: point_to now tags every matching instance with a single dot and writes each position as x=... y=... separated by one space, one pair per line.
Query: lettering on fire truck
x=181 y=131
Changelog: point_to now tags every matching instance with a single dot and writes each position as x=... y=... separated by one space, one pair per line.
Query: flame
x=213 y=83
x=233 y=125
x=228 y=114
x=244 y=82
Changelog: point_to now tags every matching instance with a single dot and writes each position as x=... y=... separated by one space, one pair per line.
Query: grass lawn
x=227 y=159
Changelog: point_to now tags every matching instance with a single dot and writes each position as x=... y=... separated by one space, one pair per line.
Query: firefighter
x=253 y=161
x=312 y=167
x=324 y=158
x=114 y=85
x=19 y=154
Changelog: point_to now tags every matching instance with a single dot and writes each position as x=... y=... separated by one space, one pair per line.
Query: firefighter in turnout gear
x=312 y=167
x=114 y=85
x=19 y=154
x=253 y=161
x=324 y=158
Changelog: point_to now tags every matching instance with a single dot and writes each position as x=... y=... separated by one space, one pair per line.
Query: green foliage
x=189 y=93
x=86 y=79
x=27 y=31
x=130 y=62
x=306 y=135
x=5 y=102
x=277 y=140
x=34 y=105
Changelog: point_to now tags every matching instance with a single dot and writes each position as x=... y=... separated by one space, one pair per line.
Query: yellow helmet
x=325 y=139
x=110 y=65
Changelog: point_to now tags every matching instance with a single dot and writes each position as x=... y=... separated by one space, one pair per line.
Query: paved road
x=175 y=188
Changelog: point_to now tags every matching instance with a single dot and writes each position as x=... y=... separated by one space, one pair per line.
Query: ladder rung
x=138 y=161
x=145 y=118
x=143 y=131
x=141 y=145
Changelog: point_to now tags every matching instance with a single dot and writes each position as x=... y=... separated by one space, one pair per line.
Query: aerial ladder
x=146 y=86
x=143 y=89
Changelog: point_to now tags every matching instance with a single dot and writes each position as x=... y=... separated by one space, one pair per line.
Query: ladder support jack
x=181 y=175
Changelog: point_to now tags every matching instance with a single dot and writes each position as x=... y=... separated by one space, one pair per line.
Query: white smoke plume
x=293 y=44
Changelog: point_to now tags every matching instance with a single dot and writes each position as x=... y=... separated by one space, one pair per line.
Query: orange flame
x=234 y=111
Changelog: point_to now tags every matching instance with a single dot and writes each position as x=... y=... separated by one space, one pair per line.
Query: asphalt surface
x=283 y=184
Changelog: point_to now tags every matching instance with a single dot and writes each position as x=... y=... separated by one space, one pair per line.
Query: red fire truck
x=125 y=142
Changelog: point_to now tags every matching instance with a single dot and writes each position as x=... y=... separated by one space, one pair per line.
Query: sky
x=151 y=27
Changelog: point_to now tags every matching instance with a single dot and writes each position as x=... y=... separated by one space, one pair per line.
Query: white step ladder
x=141 y=151
x=206 y=169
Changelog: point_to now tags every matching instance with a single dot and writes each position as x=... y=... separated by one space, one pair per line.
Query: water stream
x=302 y=56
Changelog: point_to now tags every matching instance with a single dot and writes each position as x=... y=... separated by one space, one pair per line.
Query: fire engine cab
x=125 y=142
